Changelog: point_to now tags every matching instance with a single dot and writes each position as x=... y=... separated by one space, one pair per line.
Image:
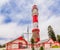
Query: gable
x=20 y=39
x=50 y=41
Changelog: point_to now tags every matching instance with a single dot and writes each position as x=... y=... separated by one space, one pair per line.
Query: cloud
x=55 y=8
x=8 y=30
x=48 y=15
x=11 y=31
x=2 y=2
x=17 y=11
x=16 y=15
x=1 y=19
x=54 y=22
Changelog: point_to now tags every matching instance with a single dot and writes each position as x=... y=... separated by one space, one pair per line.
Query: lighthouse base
x=35 y=35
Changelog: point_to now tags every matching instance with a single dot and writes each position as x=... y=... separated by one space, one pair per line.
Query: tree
x=0 y=46
x=4 y=45
x=51 y=33
x=58 y=38
x=32 y=42
x=41 y=48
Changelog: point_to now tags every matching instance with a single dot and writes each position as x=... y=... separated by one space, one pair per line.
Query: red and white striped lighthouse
x=35 y=29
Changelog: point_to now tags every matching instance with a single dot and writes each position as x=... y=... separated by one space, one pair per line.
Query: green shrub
x=33 y=48
x=41 y=48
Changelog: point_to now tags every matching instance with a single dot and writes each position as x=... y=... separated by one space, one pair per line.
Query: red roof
x=34 y=7
x=35 y=30
x=21 y=38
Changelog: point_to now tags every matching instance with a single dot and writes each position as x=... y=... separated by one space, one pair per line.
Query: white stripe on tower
x=35 y=25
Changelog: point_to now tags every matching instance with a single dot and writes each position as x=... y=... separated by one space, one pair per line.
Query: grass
x=2 y=48
x=55 y=46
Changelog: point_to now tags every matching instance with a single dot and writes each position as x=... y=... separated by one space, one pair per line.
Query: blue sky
x=11 y=9
x=16 y=15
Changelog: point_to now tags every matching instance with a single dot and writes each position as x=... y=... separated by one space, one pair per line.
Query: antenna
x=28 y=29
x=28 y=32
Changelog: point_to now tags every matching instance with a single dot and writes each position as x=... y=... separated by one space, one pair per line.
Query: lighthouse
x=35 y=30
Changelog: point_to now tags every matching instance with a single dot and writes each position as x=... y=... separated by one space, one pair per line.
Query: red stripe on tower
x=35 y=18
